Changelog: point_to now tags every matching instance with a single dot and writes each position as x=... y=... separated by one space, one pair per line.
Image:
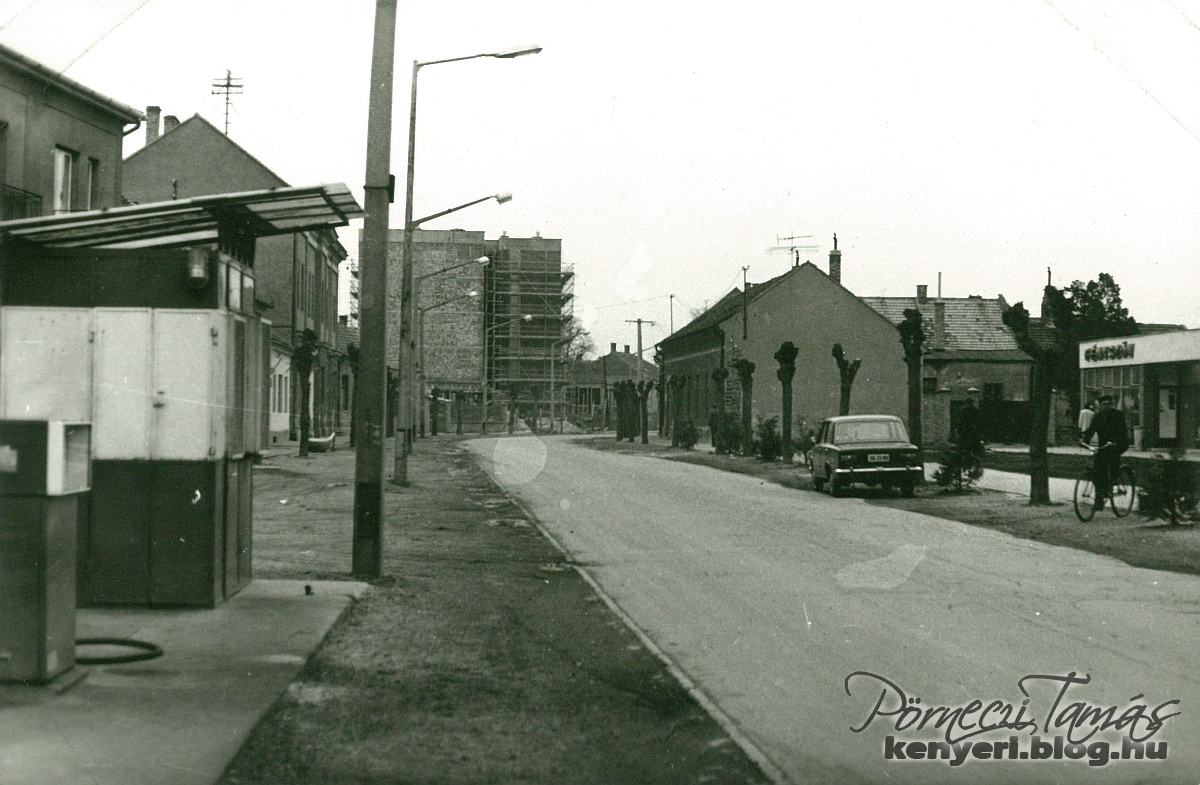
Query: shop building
x=1154 y=379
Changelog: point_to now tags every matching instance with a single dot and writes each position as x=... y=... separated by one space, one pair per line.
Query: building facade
x=297 y=274
x=1154 y=379
x=968 y=352
x=813 y=311
x=60 y=142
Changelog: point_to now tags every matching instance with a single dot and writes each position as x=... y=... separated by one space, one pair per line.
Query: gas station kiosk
x=141 y=321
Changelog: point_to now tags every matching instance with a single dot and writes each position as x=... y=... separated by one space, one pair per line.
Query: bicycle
x=1121 y=496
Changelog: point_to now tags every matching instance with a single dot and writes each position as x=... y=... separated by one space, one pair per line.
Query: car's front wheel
x=818 y=482
x=836 y=487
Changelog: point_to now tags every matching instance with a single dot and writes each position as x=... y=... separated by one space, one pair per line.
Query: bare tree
x=848 y=370
x=912 y=338
x=786 y=357
x=745 y=372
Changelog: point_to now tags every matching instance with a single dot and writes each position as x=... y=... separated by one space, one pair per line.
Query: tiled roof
x=1151 y=329
x=973 y=324
x=727 y=306
x=616 y=366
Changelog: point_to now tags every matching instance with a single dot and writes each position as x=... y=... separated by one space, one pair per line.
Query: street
x=768 y=598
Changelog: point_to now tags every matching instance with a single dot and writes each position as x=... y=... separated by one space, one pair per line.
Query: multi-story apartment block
x=297 y=274
x=60 y=142
x=481 y=341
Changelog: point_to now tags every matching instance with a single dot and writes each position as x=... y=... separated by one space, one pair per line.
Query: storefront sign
x=1180 y=346
x=1119 y=351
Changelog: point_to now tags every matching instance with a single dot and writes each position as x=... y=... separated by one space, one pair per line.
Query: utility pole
x=230 y=85
x=672 y=314
x=371 y=400
x=745 y=302
x=639 y=323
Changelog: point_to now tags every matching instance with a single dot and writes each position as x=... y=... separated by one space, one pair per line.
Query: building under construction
x=472 y=331
x=526 y=278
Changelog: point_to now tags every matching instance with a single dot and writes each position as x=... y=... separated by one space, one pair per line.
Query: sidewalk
x=176 y=719
x=1061 y=490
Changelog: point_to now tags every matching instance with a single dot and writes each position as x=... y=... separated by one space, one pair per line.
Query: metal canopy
x=193 y=221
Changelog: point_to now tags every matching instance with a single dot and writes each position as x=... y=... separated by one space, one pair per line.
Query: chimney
x=626 y=348
x=922 y=294
x=612 y=348
x=835 y=262
x=170 y=123
x=939 y=324
x=152 y=114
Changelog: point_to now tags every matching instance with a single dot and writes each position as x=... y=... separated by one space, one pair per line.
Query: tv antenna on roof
x=792 y=248
x=230 y=85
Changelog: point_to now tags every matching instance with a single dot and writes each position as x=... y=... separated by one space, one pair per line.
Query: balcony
x=20 y=204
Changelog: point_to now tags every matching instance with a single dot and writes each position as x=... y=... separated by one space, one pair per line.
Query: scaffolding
x=526 y=277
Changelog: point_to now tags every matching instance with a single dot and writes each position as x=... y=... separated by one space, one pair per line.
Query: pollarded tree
x=304 y=354
x=786 y=357
x=912 y=338
x=745 y=372
x=719 y=428
x=847 y=369
x=643 y=398
x=1047 y=348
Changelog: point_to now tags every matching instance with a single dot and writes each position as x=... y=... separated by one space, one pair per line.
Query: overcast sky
x=668 y=145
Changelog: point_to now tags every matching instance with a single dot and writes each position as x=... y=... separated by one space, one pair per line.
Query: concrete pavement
x=179 y=718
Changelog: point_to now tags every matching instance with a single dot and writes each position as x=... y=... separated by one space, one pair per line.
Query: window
x=64 y=174
x=93 y=185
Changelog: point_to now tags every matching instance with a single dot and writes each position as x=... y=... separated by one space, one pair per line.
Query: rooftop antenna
x=792 y=248
x=230 y=85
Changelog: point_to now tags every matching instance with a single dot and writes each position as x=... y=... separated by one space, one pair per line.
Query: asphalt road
x=769 y=598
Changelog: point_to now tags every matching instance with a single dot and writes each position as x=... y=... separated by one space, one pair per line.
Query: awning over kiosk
x=194 y=221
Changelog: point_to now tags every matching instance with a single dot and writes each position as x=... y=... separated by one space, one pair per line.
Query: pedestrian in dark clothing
x=1113 y=432
x=970 y=428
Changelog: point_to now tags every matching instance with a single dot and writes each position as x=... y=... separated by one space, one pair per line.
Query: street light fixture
x=483 y=373
x=407 y=300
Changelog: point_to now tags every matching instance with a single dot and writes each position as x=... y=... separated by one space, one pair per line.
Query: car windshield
x=869 y=431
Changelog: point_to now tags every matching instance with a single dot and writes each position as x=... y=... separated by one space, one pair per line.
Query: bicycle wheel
x=1085 y=498
x=1123 y=492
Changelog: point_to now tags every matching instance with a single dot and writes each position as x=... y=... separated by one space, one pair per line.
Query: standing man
x=1109 y=425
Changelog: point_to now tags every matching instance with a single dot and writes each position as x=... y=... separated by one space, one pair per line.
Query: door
x=1168 y=407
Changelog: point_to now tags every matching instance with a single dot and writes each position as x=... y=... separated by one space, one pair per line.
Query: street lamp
x=421 y=339
x=407 y=301
x=483 y=373
x=553 y=356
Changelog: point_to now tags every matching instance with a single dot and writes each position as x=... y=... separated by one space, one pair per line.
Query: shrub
x=960 y=468
x=726 y=434
x=768 y=442
x=688 y=435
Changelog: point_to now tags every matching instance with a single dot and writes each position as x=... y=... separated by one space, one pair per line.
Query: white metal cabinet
x=45 y=364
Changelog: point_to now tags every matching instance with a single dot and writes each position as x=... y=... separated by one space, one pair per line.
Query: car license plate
x=877 y=457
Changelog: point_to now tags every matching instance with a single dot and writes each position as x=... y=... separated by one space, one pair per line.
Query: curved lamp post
x=407 y=300
x=483 y=372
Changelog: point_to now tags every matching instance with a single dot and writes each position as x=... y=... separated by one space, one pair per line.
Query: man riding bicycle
x=1110 y=426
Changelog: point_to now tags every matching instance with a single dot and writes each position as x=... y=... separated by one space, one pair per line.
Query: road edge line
x=757 y=756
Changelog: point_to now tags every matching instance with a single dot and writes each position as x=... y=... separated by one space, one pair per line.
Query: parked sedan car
x=872 y=449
